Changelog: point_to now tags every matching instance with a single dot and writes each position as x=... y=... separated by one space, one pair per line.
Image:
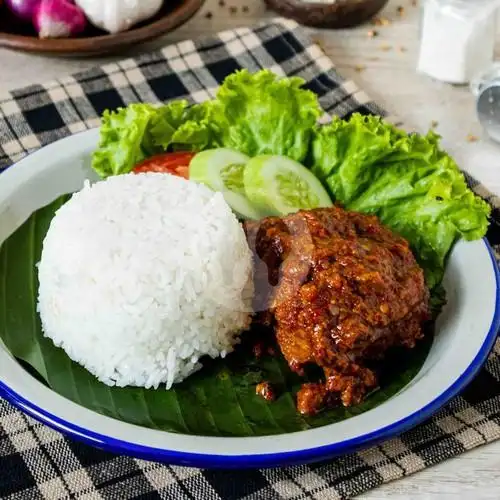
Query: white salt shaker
x=457 y=38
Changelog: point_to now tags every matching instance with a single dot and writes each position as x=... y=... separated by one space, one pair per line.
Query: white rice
x=141 y=275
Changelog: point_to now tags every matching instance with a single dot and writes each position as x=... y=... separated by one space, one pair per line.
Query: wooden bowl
x=93 y=41
x=341 y=14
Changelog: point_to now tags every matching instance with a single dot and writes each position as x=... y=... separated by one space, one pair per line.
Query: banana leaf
x=219 y=400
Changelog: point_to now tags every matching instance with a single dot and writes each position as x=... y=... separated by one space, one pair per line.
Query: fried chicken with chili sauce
x=339 y=289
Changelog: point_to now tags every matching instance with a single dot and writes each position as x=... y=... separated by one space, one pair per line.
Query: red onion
x=58 y=19
x=23 y=9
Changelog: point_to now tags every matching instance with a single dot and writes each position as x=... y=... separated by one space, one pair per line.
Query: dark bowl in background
x=341 y=14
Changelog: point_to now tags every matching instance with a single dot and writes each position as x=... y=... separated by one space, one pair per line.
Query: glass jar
x=457 y=38
x=486 y=89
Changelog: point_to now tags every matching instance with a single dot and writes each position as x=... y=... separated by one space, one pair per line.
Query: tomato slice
x=168 y=163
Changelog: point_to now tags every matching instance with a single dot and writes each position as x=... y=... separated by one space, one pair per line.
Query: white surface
x=461 y=330
x=389 y=77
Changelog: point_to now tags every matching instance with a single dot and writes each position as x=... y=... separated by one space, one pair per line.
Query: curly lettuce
x=125 y=140
x=260 y=113
x=184 y=127
x=252 y=113
x=413 y=186
x=129 y=135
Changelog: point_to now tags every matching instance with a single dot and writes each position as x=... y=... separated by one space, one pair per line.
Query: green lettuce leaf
x=260 y=113
x=124 y=139
x=184 y=127
x=253 y=113
x=129 y=135
x=347 y=147
x=167 y=120
x=413 y=186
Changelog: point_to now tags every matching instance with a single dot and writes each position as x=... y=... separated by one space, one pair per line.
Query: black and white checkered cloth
x=39 y=463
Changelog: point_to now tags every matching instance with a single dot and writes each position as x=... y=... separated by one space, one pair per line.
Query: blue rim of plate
x=269 y=459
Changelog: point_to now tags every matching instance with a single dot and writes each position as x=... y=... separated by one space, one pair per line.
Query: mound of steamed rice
x=141 y=275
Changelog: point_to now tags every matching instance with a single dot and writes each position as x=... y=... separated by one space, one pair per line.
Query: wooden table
x=384 y=66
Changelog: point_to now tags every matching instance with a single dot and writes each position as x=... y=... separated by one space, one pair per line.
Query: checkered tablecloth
x=39 y=463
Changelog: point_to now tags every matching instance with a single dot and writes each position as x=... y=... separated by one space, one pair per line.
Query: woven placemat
x=39 y=463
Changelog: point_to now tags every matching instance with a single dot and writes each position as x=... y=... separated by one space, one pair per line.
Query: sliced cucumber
x=277 y=185
x=222 y=170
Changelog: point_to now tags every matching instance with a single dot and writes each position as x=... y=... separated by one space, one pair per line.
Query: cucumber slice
x=277 y=185
x=222 y=169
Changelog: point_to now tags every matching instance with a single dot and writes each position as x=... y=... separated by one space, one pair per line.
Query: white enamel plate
x=465 y=333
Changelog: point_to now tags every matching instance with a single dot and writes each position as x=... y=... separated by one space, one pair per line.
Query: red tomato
x=169 y=163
